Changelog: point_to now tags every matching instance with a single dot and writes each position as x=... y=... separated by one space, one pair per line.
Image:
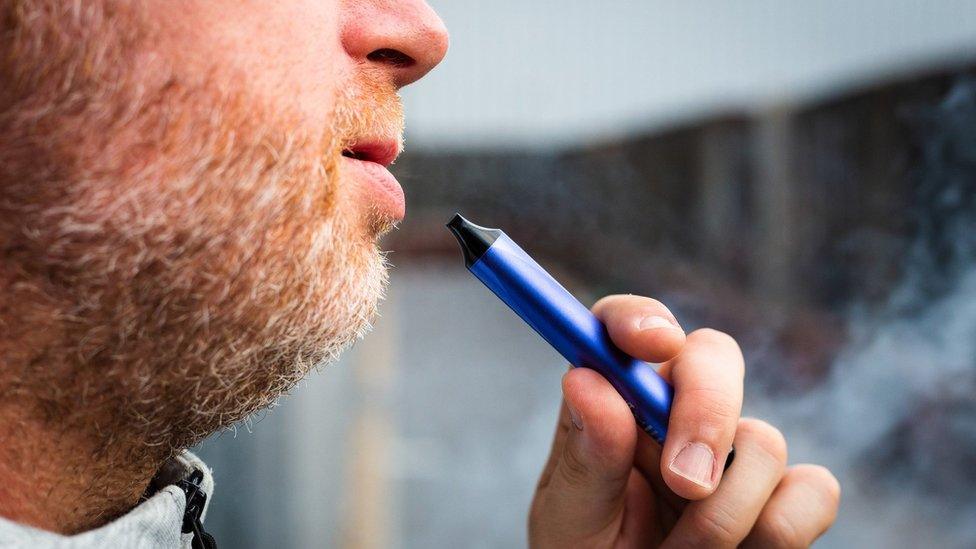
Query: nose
x=404 y=38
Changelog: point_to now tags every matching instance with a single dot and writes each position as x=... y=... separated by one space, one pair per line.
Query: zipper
x=196 y=499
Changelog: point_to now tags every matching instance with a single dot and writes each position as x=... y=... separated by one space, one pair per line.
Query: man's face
x=192 y=198
x=321 y=62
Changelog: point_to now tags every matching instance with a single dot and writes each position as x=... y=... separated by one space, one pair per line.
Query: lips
x=366 y=162
x=379 y=152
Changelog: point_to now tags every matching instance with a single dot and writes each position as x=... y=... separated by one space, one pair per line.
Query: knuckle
x=572 y=469
x=544 y=478
x=712 y=409
x=823 y=481
x=716 y=405
x=717 y=337
x=714 y=526
x=711 y=339
x=609 y=302
x=765 y=438
x=603 y=302
x=707 y=415
x=623 y=302
x=779 y=531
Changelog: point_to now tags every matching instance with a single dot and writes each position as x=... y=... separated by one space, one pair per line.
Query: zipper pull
x=196 y=498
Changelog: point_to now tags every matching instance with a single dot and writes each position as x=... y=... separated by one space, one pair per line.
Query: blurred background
x=801 y=175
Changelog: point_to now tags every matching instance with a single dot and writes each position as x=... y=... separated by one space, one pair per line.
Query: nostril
x=392 y=57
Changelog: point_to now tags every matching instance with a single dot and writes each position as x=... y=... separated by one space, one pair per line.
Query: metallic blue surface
x=574 y=331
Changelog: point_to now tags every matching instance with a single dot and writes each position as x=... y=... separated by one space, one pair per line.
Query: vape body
x=563 y=321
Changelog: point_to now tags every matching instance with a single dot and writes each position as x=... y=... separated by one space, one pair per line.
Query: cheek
x=288 y=52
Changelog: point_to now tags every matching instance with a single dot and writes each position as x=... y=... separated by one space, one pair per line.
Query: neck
x=66 y=482
x=59 y=470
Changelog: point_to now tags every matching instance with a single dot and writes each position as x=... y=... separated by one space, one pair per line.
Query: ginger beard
x=177 y=254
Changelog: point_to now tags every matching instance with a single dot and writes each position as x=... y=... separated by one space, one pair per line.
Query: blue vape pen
x=563 y=321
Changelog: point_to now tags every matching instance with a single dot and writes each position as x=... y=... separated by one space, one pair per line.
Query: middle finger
x=725 y=518
x=707 y=378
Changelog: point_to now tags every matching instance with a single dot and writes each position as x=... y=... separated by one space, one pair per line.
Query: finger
x=584 y=495
x=642 y=327
x=707 y=378
x=647 y=459
x=640 y=526
x=563 y=424
x=801 y=509
x=725 y=518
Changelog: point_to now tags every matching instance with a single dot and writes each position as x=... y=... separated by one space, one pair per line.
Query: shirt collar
x=155 y=522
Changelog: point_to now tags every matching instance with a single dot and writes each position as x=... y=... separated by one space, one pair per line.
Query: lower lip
x=386 y=195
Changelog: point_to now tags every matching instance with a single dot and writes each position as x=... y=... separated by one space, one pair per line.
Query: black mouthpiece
x=474 y=239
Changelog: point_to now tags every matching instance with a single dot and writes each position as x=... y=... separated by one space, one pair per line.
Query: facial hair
x=177 y=254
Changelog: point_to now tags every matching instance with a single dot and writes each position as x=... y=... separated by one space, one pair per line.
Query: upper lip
x=380 y=151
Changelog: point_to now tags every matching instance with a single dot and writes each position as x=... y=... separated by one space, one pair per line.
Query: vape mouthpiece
x=474 y=239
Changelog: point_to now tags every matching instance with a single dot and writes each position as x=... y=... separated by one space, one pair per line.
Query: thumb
x=583 y=495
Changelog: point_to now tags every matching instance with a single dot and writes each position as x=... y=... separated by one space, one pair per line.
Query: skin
x=182 y=236
x=607 y=484
x=183 y=239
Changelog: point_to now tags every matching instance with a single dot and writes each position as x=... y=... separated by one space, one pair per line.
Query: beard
x=177 y=253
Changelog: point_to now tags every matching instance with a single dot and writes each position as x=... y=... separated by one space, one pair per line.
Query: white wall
x=549 y=72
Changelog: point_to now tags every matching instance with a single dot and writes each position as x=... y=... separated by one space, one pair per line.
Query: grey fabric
x=153 y=524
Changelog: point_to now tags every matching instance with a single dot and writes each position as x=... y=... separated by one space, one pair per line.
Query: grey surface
x=549 y=72
x=473 y=404
x=480 y=392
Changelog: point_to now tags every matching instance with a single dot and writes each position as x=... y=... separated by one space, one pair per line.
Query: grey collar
x=157 y=522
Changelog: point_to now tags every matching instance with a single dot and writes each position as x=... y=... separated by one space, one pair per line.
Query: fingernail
x=695 y=462
x=655 y=322
x=574 y=415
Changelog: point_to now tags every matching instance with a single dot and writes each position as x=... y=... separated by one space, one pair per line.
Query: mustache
x=369 y=110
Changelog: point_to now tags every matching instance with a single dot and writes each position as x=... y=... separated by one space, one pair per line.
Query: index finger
x=642 y=327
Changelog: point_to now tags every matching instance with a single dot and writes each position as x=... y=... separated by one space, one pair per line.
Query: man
x=190 y=197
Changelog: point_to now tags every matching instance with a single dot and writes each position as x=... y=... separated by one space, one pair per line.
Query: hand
x=607 y=484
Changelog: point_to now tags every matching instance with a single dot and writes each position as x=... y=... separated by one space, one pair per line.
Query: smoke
x=896 y=417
